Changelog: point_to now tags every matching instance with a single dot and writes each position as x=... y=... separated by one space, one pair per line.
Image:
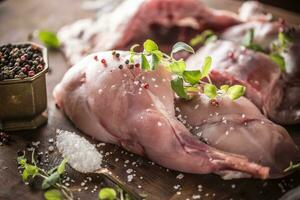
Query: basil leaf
x=150 y=46
x=177 y=67
x=144 y=62
x=22 y=161
x=203 y=38
x=50 y=180
x=177 y=86
x=181 y=46
x=49 y=39
x=107 y=194
x=236 y=91
x=154 y=61
x=279 y=60
x=206 y=66
x=53 y=195
x=30 y=170
x=224 y=88
x=61 y=168
x=192 y=77
x=25 y=175
x=248 y=39
x=210 y=90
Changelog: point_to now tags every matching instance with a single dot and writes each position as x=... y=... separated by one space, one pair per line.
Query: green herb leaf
x=236 y=91
x=224 y=88
x=279 y=60
x=177 y=86
x=181 y=46
x=154 y=61
x=51 y=171
x=177 y=67
x=248 y=39
x=210 y=90
x=150 y=46
x=22 y=161
x=284 y=40
x=107 y=194
x=29 y=170
x=191 y=89
x=50 y=180
x=62 y=166
x=203 y=38
x=49 y=39
x=206 y=66
x=255 y=47
x=144 y=62
x=53 y=195
x=192 y=77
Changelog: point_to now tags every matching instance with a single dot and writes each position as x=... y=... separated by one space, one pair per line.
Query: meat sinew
x=135 y=109
x=240 y=128
x=134 y=21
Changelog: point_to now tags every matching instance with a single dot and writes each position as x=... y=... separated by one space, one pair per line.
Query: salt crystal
x=129 y=178
x=243 y=115
x=50 y=148
x=51 y=140
x=233 y=186
x=176 y=187
x=196 y=196
x=128 y=171
x=139 y=186
x=180 y=176
x=81 y=154
x=196 y=106
x=159 y=124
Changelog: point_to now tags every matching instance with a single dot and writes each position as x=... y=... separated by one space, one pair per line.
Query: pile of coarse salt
x=80 y=153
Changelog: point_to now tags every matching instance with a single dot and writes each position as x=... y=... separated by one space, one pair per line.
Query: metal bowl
x=23 y=102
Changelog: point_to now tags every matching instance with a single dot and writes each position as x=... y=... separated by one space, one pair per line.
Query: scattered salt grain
x=159 y=124
x=233 y=186
x=196 y=196
x=129 y=178
x=50 y=148
x=196 y=107
x=180 y=176
x=128 y=171
x=81 y=155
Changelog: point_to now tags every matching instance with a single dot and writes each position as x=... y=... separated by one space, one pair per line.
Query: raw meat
x=135 y=109
x=240 y=128
x=134 y=21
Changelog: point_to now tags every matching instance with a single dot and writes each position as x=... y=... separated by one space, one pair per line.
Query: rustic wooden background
x=17 y=20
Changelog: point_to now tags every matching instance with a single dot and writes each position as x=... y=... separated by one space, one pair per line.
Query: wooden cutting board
x=150 y=179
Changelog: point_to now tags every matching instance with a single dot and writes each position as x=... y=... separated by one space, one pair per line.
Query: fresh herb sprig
x=48 y=38
x=51 y=179
x=292 y=167
x=278 y=48
x=205 y=37
x=185 y=82
x=248 y=41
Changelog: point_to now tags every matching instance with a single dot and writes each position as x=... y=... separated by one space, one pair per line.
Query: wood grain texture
x=18 y=19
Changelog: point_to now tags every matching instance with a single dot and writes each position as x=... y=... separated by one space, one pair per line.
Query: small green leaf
x=132 y=53
x=203 y=38
x=53 y=195
x=154 y=61
x=62 y=166
x=279 y=60
x=52 y=170
x=144 y=62
x=192 y=77
x=192 y=89
x=22 y=161
x=177 y=67
x=150 y=46
x=177 y=86
x=210 y=90
x=236 y=91
x=284 y=40
x=25 y=175
x=248 y=39
x=224 y=88
x=49 y=39
x=29 y=170
x=107 y=194
x=50 y=180
x=206 y=66
x=181 y=46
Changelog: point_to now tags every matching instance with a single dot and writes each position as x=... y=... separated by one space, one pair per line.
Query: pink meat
x=233 y=64
x=135 y=109
x=134 y=21
x=240 y=128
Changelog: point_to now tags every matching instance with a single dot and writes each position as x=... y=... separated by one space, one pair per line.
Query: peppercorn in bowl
x=23 y=101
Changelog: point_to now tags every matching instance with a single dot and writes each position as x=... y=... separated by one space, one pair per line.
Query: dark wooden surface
x=18 y=19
